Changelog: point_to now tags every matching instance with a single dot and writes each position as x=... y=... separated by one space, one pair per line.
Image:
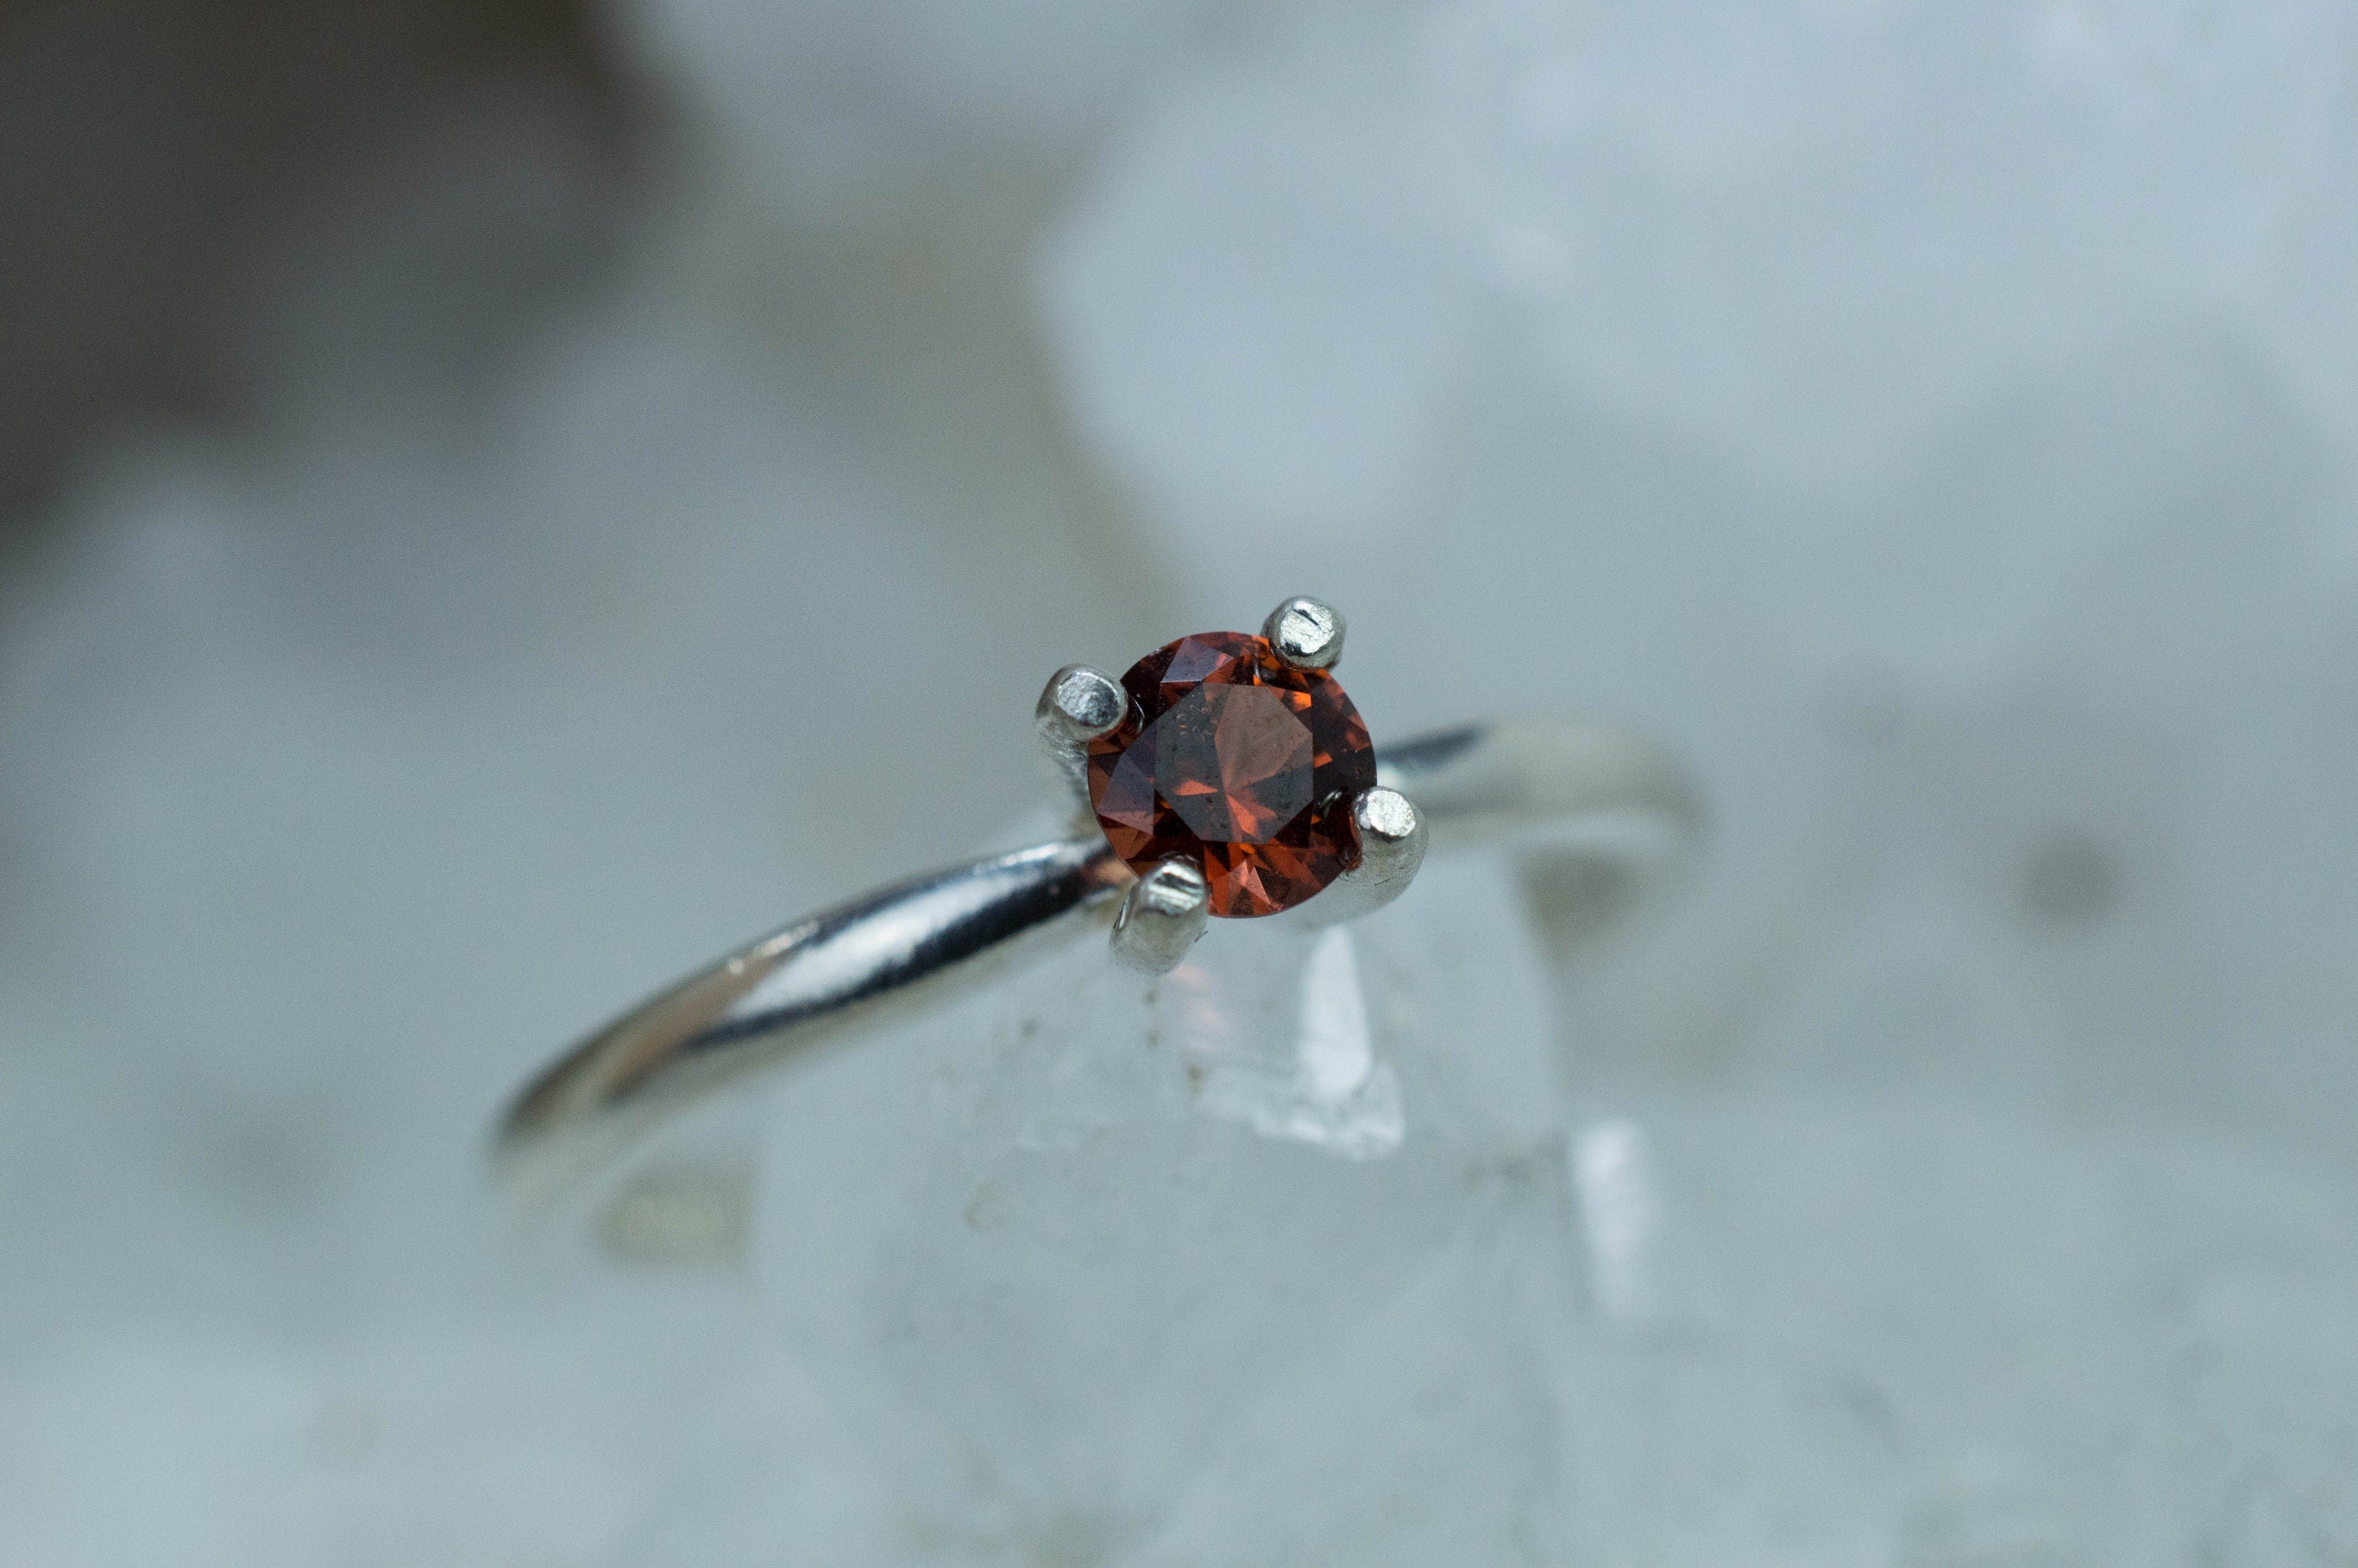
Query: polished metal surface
x=1392 y=842
x=854 y=968
x=1162 y=916
x=1305 y=634
x=1077 y=705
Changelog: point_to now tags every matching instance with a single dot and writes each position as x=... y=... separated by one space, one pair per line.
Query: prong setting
x=1077 y=705
x=1392 y=841
x=1165 y=913
x=1305 y=634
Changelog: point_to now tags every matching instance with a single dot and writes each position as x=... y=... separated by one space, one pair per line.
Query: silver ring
x=1224 y=776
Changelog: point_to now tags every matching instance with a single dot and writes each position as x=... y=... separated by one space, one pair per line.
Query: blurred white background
x=461 y=463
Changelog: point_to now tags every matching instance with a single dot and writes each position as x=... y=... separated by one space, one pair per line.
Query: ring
x=1224 y=776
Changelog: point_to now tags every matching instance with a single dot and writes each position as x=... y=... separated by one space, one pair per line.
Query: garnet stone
x=1239 y=762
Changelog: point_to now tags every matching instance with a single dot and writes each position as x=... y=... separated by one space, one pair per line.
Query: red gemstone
x=1238 y=762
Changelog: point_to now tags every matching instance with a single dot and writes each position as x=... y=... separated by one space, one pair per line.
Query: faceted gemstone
x=1239 y=762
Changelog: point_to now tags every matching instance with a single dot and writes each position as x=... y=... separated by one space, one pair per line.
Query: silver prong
x=1392 y=847
x=1166 y=911
x=1077 y=705
x=1305 y=634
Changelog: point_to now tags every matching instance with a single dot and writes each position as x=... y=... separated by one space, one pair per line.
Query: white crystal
x=1900 y=1328
x=1056 y=1249
x=1813 y=239
x=1326 y=1087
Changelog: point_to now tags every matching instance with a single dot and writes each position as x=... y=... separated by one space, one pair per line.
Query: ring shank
x=922 y=943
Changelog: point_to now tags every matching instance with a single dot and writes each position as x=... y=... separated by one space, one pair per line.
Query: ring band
x=857 y=968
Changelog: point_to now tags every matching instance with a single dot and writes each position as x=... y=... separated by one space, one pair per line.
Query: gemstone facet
x=1239 y=763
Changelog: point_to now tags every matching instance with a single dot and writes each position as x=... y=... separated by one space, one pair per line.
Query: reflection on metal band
x=923 y=942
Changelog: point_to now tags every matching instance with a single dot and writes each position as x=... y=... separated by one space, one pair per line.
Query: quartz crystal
x=1127 y=1272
